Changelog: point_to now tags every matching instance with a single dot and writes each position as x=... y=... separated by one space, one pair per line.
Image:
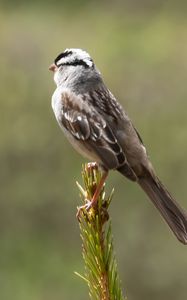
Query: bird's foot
x=92 y=204
x=92 y=166
x=86 y=207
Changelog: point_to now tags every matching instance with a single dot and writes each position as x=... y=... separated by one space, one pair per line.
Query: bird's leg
x=93 y=202
x=95 y=197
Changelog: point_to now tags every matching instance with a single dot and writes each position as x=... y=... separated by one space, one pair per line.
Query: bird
x=99 y=128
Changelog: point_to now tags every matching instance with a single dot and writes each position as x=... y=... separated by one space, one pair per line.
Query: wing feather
x=91 y=130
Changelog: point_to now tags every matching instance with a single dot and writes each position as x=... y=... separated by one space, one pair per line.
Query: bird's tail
x=172 y=213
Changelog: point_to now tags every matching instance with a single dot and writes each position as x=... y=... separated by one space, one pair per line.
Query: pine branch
x=97 y=242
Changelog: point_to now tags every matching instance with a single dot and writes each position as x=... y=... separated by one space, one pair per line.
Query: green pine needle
x=97 y=242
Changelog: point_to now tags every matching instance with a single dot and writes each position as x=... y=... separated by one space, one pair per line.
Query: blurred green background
x=141 y=49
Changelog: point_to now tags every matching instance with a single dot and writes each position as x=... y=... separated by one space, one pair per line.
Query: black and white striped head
x=72 y=57
x=69 y=66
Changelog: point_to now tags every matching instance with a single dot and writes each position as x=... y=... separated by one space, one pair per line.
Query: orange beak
x=53 y=67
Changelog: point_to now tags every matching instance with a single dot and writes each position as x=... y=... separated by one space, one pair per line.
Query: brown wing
x=88 y=127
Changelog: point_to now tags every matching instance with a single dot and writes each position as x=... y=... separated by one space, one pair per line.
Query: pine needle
x=101 y=273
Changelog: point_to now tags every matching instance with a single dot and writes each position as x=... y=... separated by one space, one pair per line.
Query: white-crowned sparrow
x=98 y=127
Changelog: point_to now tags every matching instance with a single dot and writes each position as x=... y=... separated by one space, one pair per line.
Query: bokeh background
x=141 y=49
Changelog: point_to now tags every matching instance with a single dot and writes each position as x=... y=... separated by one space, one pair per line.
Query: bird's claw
x=92 y=165
x=87 y=207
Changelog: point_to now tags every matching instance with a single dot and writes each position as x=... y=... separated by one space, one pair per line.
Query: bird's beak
x=53 y=68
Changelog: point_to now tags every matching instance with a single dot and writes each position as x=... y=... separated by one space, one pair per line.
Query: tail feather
x=172 y=213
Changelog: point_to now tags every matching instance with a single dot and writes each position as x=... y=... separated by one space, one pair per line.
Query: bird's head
x=70 y=62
